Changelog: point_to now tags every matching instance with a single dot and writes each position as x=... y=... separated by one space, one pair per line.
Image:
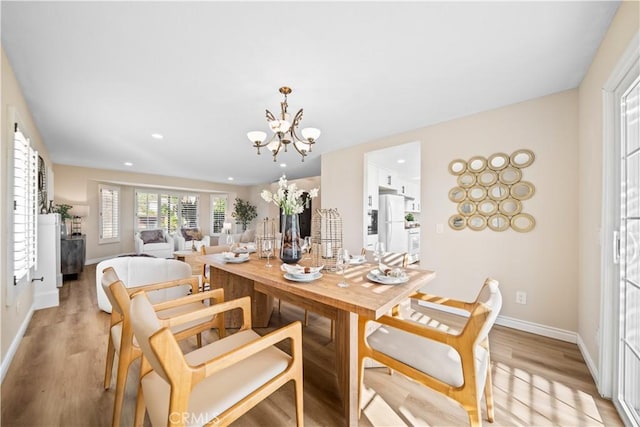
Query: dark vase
x=290 y=251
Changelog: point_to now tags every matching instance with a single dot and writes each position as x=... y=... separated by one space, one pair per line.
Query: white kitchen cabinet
x=371 y=241
x=372 y=187
x=387 y=179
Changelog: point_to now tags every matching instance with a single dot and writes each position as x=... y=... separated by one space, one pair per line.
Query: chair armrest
x=168 y=239
x=179 y=241
x=191 y=281
x=243 y=303
x=438 y=300
x=139 y=243
x=215 y=294
x=292 y=331
x=419 y=329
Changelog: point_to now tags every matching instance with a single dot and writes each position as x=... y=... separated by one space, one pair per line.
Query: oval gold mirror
x=510 y=175
x=477 y=164
x=510 y=207
x=457 y=167
x=522 y=190
x=457 y=194
x=498 y=222
x=498 y=161
x=487 y=207
x=522 y=158
x=457 y=222
x=487 y=178
x=466 y=208
x=476 y=222
x=466 y=180
x=523 y=223
x=499 y=191
x=477 y=193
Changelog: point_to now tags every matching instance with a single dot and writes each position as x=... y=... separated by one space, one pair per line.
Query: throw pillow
x=152 y=236
x=189 y=233
x=248 y=236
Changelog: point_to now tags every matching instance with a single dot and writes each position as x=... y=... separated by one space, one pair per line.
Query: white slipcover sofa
x=184 y=240
x=139 y=270
x=154 y=242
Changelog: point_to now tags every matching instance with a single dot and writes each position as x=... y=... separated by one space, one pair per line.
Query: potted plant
x=63 y=210
x=244 y=212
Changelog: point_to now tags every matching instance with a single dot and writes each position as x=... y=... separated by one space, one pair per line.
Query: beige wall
x=624 y=26
x=542 y=263
x=77 y=185
x=15 y=314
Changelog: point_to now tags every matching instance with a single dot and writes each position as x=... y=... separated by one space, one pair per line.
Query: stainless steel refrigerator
x=391 y=223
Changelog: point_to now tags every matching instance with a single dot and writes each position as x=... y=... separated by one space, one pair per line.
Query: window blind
x=109 y=214
x=218 y=212
x=168 y=211
x=25 y=202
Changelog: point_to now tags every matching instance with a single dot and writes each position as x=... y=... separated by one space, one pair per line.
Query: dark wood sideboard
x=72 y=254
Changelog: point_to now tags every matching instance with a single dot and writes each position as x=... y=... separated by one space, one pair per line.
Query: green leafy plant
x=244 y=212
x=63 y=210
x=409 y=217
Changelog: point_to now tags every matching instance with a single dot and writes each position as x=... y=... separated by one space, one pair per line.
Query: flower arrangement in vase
x=289 y=198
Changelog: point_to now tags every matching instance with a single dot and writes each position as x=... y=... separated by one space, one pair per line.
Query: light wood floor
x=56 y=378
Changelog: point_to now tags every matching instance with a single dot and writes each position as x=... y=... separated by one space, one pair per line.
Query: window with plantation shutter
x=109 y=214
x=219 y=204
x=167 y=211
x=25 y=202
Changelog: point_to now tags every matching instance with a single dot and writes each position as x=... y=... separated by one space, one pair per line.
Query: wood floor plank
x=56 y=377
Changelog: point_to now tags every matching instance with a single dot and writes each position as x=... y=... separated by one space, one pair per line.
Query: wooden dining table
x=323 y=296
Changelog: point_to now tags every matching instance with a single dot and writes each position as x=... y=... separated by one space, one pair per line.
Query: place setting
x=386 y=275
x=234 y=257
x=298 y=273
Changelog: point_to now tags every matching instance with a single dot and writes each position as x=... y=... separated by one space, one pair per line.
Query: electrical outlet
x=521 y=297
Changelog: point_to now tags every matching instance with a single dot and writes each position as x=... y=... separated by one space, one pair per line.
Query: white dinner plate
x=386 y=280
x=310 y=277
x=236 y=260
x=244 y=250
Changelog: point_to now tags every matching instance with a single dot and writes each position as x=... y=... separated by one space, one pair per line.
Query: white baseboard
x=8 y=358
x=97 y=260
x=46 y=300
x=536 y=328
x=593 y=369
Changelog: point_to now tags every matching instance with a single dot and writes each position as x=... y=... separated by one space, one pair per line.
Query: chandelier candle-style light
x=284 y=131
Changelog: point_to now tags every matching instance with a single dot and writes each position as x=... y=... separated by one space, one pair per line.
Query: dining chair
x=456 y=364
x=121 y=341
x=209 y=250
x=391 y=259
x=215 y=384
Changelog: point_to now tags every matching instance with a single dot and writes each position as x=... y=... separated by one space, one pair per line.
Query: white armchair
x=154 y=242
x=185 y=238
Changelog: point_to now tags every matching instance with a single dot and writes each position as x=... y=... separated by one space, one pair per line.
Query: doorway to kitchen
x=392 y=199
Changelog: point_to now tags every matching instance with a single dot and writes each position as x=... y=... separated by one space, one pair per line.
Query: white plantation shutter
x=219 y=205
x=168 y=211
x=109 y=214
x=25 y=198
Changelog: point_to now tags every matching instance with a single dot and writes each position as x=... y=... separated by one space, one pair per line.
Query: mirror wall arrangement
x=490 y=191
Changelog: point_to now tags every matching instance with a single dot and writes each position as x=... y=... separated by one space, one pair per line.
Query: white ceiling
x=101 y=77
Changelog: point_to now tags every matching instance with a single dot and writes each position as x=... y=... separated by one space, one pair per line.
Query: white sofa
x=139 y=270
x=184 y=241
x=154 y=242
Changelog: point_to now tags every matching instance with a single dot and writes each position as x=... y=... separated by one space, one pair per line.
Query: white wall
x=542 y=263
x=624 y=26
x=14 y=316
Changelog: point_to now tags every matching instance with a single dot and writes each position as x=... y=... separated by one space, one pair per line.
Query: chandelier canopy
x=284 y=131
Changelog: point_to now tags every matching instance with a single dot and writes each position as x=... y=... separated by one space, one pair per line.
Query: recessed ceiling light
x=230 y=178
x=157 y=136
x=283 y=165
x=401 y=161
x=128 y=164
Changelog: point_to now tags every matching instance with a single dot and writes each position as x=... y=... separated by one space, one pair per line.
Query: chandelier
x=284 y=131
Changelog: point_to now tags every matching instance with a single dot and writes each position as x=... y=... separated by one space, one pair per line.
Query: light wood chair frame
x=464 y=343
x=184 y=377
x=120 y=297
